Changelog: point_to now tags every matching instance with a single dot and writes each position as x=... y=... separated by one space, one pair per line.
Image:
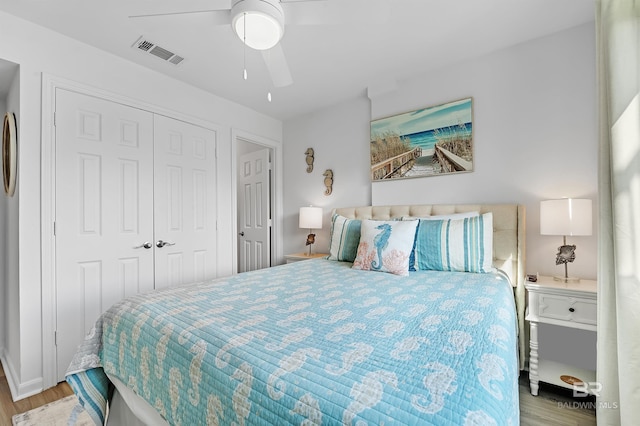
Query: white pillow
x=385 y=246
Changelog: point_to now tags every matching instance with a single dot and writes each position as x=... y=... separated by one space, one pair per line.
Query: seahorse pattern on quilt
x=317 y=342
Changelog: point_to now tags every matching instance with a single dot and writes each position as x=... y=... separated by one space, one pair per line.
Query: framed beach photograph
x=426 y=142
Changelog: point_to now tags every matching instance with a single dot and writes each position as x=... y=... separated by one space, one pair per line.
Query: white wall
x=10 y=302
x=37 y=51
x=535 y=138
x=339 y=137
x=3 y=250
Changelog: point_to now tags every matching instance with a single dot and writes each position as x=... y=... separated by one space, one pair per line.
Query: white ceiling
x=385 y=40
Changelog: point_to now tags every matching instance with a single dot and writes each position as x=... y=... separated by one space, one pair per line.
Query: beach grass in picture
x=426 y=142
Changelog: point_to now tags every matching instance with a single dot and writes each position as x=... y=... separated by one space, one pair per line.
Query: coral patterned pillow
x=385 y=246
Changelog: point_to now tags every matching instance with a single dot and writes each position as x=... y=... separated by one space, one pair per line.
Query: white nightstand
x=296 y=257
x=563 y=319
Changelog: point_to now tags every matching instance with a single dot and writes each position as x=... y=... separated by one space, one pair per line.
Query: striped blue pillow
x=464 y=245
x=345 y=237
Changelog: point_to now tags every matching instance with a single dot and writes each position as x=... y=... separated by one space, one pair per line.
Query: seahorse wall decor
x=328 y=181
x=309 y=154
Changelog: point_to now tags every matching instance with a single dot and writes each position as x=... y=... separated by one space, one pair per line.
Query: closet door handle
x=146 y=245
x=161 y=243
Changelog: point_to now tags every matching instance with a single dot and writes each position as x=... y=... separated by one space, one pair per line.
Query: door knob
x=161 y=243
x=242 y=234
x=146 y=245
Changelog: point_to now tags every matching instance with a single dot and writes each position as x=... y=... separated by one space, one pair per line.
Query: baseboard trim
x=19 y=390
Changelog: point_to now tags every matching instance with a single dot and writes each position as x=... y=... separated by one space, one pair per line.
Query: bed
x=326 y=341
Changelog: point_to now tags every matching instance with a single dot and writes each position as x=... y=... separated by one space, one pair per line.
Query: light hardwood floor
x=552 y=407
x=8 y=408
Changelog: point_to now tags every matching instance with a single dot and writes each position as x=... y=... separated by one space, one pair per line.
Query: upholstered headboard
x=508 y=228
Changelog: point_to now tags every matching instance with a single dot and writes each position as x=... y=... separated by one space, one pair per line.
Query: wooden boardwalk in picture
x=451 y=162
x=390 y=166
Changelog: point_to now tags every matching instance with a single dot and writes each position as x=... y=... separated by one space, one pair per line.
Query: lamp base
x=311 y=238
x=566 y=254
x=566 y=279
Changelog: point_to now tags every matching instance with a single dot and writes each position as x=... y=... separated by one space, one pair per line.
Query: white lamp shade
x=310 y=218
x=567 y=216
x=258 y=23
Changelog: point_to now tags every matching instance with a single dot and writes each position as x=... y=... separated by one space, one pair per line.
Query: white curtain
x=618 y=56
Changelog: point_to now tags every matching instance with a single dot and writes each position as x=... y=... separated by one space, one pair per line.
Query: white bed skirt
x=128 y=409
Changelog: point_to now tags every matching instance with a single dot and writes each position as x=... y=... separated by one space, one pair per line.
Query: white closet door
x=255 y=207
x=185 y=202
x=103 y=213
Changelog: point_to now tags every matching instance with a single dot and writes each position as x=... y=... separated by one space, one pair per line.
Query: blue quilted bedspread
x=313 y=342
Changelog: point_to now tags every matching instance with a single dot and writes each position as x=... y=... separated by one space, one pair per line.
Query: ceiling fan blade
x=217 y=17
x=277 y=65
x=162 y=20
x=182 y=27
x=168 y=7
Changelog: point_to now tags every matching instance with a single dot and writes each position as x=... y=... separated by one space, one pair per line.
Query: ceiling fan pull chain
x=244 y=41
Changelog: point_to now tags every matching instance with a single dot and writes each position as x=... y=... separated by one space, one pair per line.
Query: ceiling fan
x=260 y=25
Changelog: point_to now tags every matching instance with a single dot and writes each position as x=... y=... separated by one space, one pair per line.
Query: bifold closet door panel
x=185 y=202
x=103 y=211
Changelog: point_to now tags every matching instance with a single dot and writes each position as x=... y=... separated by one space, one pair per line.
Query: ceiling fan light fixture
x=264 y=21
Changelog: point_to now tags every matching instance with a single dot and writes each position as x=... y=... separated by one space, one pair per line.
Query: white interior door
x=254 y=205
x=185 y=202
x=103 y=212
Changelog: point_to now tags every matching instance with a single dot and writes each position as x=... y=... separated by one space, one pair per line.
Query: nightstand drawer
x=565 y=308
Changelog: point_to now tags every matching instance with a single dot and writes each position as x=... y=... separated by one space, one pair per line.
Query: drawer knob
x=572 y=310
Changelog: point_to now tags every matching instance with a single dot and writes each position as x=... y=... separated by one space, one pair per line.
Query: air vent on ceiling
x=157 y=51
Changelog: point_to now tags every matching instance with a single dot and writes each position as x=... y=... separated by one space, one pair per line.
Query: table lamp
x=567 y=216
x=310 y=218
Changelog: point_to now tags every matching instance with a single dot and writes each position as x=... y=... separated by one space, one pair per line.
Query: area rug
x=53 y=414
